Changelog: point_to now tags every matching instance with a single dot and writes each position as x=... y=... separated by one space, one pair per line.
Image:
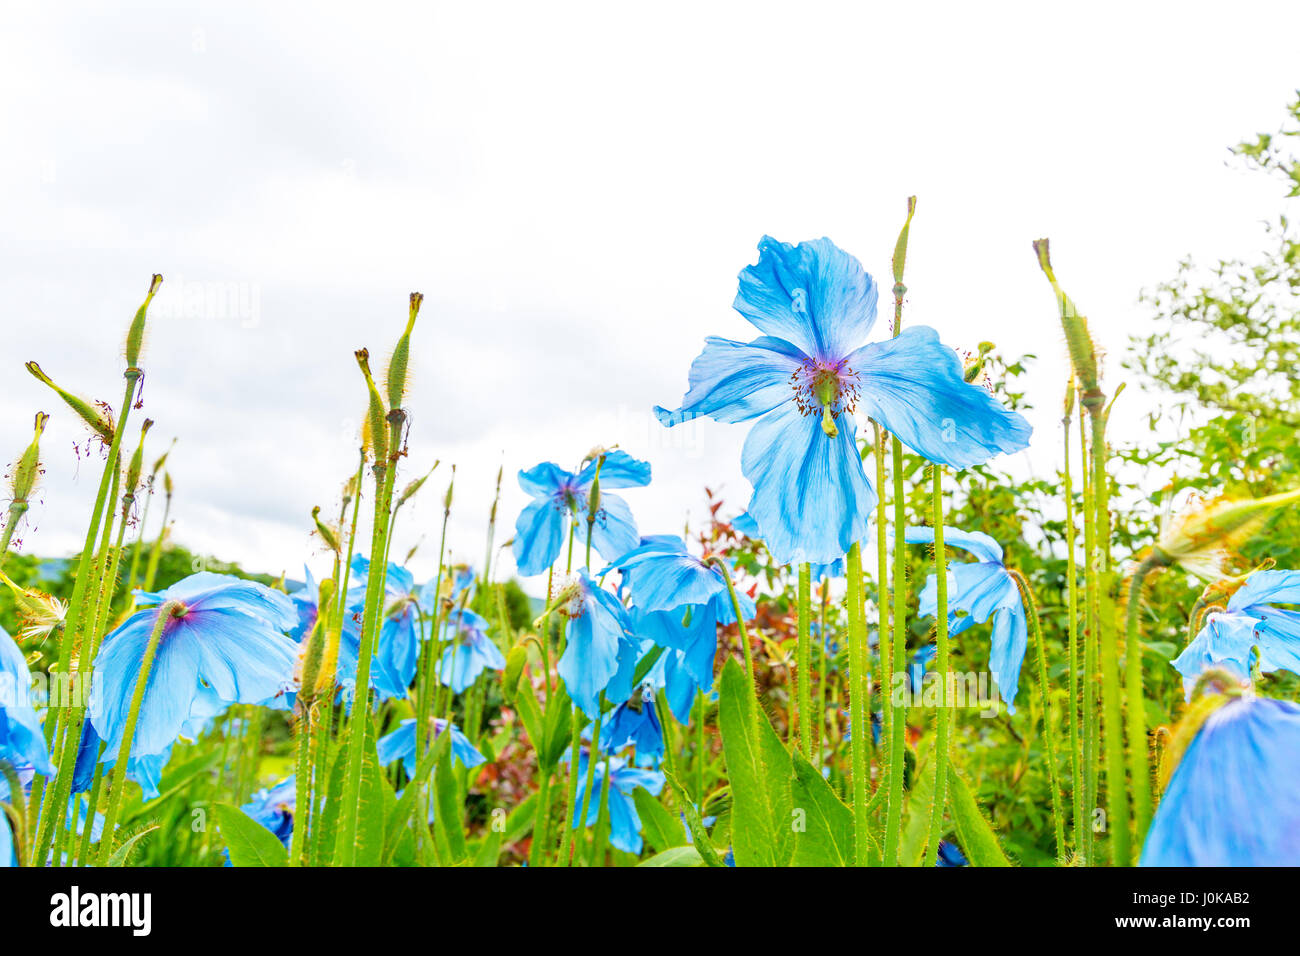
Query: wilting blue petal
x=811 y=495
x=619 y=470
x=22 y=742
x=814 y=295
x=913 y=385
x=1234 y=798
x=539 y=536
x=736 y=381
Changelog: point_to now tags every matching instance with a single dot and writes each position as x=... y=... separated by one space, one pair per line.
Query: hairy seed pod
x=1083 y=351
x=397 y=365
x=325 y=531
x=88 y=413
x=375 y=432
x=135 y=334
x=29 y=465
x=137 y=461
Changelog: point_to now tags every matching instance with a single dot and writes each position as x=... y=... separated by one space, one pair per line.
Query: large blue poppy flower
x=400 y=745
x=634 y=723
x=227 y=636
x=806 y=376
x=470 y=651
x=600 y=651
x=679 y=601
x=1251 y=621
x=983 y=588
x=1234 y=798
x=624 y=821
x=558 y=495
x=22 y=742
x=397 y=647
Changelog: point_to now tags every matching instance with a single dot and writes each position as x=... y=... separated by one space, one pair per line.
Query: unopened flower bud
x=92 y=416
x=135 y=334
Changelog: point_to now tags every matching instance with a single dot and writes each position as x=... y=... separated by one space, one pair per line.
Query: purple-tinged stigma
x=826 y=388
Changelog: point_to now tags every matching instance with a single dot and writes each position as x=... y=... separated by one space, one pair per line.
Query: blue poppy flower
x=227 y=636
x=144 y=769
x=920 y=664
x=305 y=601
x=22 y=742
x=746 y=525
x=1234 y=798
x=950 y=854
x=400 y=745
x=983 y=588
x=600 y=651
x=808 y=373
x=559 y=495
x=634 y=723
x=1251 y=621
x=470 y=652
x=274 y=808
x=624 y=822
x=397 y=646
x=679 y=601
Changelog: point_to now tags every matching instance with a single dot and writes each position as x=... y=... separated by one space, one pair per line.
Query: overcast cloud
x=574 y=188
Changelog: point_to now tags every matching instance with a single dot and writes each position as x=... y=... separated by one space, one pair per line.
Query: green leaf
x=976 y=836
x=693 y=822
x=760 y=771
x=661 y=829
x=488 y=849
x=448 y=814
x=123 y=851
x=916 y=832
x=827 y=836
x=676 y=856
x=250 y=843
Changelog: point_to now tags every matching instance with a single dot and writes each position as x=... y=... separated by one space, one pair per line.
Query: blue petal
x=814 y=295
x=913 y=385
x=975 y=542
x=595 y=641
x=665 y=578
x=1267 y=587
x=544 y=480
x=811 y=495
x=734 y=381
x=22 y=741
x=1007 y=652
x=1226 y=639
x=614 y=531
x=539 y=536
x=620 y=470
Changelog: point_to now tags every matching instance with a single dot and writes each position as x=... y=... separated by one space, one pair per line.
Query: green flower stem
x=804 y=650
x=898 y=722
x=601 y=835
x=96 y=793
x=883 y=635
x=1091 y=664
x=1049 y=731
x=701 y=703
x=1117 y=815
x=350 y=808
x=1135 y=701
x=119 y=780
x=571 y=795
x=823 y=668
x=541 y=817
x=740 y=629
x=1072 y=574
x=859 y=691
x=943 y=735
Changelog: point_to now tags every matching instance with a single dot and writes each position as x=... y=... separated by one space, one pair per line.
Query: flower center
x=825 y=388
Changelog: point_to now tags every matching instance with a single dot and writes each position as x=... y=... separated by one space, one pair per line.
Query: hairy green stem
x=943 y=734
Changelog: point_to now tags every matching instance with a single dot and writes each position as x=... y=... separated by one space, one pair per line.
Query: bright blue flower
x=559 y=495
x=950 y=854
x=1234 y=798
x=808 y=373
x=634 y=723
x=624 y=822
x=1251 y=621
x=400 y=745
x=679 y=601
x=983 y=589
x=397 y=647
x=22 y=742
x=471 y=651
x=305 y=601
x=144 y=769
x=274 y=808
x=746 y=525
x=600 y=652
x=669 y=673
x=227 y=638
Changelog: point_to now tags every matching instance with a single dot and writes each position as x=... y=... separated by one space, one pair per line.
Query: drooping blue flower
x=1234 y=798
x=1251 y=621
x=808 y=373
x=559 y=495
x=624 y=821
x=470 y=652
x=400 y=745
x=679 y=601
x=22 y=742
x=983 y=588
x=397 y=646
x=634 y=723
x=601 y=651
x=274 y=807
x=227 y=637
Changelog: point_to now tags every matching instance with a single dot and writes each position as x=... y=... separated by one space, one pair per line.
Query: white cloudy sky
x=574 y=188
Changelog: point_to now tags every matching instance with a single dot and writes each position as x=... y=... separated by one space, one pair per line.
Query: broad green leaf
x=122 y=852
x=661 y=829
x=489 y=848
x=827 y=835
x=449 y=812
x=249 y=843
x=676 y=856
x=916 y=830
x=760 y=771
x=976 y=837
